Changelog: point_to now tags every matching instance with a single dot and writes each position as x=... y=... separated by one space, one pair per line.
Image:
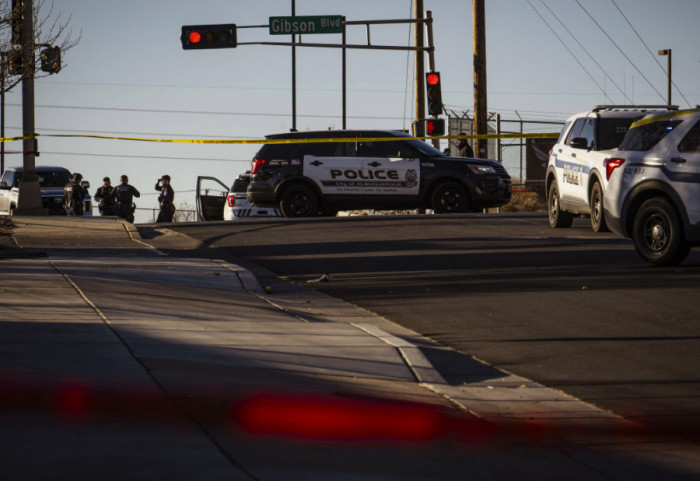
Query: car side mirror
x=579 y=143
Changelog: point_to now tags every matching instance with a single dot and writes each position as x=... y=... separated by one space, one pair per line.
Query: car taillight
x=612 y=164
x=231 y=199
x=257 y=163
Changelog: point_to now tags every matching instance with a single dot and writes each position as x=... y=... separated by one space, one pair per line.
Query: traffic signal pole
x=480 y=114
x=419 y=68
x=29 y=200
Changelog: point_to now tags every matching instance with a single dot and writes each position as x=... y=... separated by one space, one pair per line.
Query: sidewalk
x=120 y=361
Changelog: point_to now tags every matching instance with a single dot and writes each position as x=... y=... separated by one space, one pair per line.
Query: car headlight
x=482 y=169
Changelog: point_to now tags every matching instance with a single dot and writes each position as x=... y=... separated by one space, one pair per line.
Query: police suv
x=316 y=173
x=653 y=193
x=576 y=178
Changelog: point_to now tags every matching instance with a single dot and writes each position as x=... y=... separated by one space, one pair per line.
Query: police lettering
x=380 y=174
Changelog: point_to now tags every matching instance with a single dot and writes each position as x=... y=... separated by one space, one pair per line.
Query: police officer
x=74 y=196
x=105 y=196
x=124 y=197
x=165 y=199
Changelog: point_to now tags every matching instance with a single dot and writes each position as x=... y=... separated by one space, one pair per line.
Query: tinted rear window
x=612 y=131
x=645 y=137
x=53 y=179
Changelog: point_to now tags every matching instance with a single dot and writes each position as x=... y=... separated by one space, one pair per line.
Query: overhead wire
x=587 y=52
x=655 y=57
x=569 y=50
x=619 y=49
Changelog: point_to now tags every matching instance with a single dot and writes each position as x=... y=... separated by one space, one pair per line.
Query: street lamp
x=668 y=53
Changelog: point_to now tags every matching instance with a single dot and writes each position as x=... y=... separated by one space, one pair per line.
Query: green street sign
x=306 y=25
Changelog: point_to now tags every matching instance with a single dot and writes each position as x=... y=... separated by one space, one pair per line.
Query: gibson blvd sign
x=306 y=25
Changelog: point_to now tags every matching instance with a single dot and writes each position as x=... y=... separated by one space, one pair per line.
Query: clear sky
x=129 y=76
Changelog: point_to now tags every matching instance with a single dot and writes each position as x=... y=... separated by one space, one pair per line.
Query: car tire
x=557 y=217
x=450 y=198
x=598 y=223
x=658 y=235
x=299 y=201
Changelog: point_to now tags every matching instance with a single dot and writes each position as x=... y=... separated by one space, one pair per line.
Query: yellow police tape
x=659 y=118
x=290 y=141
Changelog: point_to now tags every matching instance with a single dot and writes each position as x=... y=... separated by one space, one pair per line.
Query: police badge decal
x=411 y=178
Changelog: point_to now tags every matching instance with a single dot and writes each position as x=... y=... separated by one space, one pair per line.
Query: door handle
x=316 y=163
x=374 y=164
x=678 y=160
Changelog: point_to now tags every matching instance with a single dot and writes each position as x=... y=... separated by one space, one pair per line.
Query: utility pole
x=29 y=201
x=480 y=114
x=294 y=74
x=419 y=69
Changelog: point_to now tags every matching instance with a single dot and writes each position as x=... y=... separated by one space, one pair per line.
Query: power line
x=655 y=57
x=201 y=112
x=569 y=50
x=619 y=49
x=587 y=52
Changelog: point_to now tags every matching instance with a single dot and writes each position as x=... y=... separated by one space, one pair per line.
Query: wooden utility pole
x=419 y=69
x=29 y=200
x=480 y=114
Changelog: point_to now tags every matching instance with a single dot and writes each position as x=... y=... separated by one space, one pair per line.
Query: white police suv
x=576 y=178
x=653 y=193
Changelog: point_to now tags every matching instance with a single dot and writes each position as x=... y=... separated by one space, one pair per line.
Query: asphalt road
x=571 y=309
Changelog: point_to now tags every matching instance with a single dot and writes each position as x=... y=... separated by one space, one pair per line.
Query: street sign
x=306 y=25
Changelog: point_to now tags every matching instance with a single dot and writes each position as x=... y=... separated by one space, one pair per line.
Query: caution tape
x=659 y=118
x=292 y=141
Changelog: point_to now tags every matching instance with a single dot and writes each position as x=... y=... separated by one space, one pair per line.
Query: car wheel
x=597 y=214
x=299 y=201
x=450 y=198
x=557 y=216
x=658 y=235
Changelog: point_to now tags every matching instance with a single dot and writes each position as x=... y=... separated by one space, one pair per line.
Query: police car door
x=389 y=168
x=333 y=167
x=570 y=168
x=686 y=168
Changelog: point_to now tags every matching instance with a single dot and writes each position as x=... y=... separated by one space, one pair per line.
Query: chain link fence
x=524 y=159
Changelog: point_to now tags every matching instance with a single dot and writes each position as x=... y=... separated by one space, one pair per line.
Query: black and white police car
x=237 y=206
x=653 y=191
x=576 y=178
x=319 y=173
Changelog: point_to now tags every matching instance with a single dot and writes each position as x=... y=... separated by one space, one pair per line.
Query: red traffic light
x=432 y=78
x=195 y=37
x=208 y=36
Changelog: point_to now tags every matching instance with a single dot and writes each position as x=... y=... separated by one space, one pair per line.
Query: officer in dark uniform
x=165 y=199
x=124 y=197
x=105 y=196
x=74 y=196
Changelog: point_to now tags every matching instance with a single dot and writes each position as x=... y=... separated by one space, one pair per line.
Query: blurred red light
x=195 y=37
x=433 y=79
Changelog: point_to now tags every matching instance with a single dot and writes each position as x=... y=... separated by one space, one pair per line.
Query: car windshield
x=53 y=178
x=645 y=137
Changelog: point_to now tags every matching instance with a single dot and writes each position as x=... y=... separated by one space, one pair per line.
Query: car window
x=381 y=149
x=563 y=132
x=691 y=143
x=645 y=137
x=575 y=130
x=611 y=131
x=8 y=177
x=587 y=133
x=53 y=179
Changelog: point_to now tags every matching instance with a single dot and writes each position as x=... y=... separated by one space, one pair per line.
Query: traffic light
x=432 y=81
x=51 y=60
x=208 y=36
x=435 y=127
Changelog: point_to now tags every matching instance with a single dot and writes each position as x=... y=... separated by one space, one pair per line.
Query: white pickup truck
x=51 y=182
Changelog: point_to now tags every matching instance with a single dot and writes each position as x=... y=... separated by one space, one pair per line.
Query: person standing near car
x=124 y=197
x=165 y=199
x=105 y=196
x=74 y=196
